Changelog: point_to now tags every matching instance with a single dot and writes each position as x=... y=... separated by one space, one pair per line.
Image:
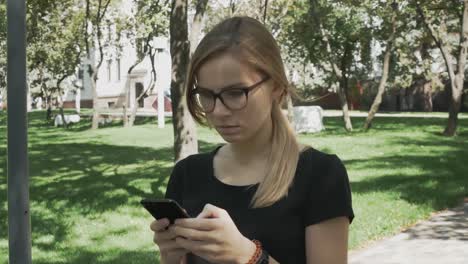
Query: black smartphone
x=164 y=208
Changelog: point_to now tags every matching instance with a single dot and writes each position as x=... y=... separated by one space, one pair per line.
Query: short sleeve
x=175 y=185
x=330 y=194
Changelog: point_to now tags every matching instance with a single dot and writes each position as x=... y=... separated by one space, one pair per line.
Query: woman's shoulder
x=197 y=159
x=315 y=163
x=313 y=155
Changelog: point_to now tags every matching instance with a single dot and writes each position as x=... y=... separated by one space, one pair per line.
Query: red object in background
x=359 y=86
x=167 y=104
x=356 y=100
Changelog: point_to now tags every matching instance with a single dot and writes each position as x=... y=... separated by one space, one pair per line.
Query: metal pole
x=19 y=229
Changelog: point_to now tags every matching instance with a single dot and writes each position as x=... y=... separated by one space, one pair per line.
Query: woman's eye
x=234 y=93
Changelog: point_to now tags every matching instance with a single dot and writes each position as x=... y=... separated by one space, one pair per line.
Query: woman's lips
x=228 y=129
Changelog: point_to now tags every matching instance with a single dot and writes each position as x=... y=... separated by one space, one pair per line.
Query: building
x=114 y=81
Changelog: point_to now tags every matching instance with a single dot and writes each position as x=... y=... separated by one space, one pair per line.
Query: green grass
x=85 y=185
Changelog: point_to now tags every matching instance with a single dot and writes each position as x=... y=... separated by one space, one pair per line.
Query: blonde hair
x=259 y=50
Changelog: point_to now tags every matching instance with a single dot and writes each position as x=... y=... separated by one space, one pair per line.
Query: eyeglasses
x=234 y=98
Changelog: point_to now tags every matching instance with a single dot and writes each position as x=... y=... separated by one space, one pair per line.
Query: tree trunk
x=336 y=70
x=457 y=76
x=127 y=88
x=185 y=138
x=427 y=96
x=95 y=120
x=78 y=100
x=65 y=124
x=197 y=24
x=94 y=69
x=265 y=9
x=60 y=101
x=383 y=81
x=454 y=109
x=344 y=108
x=378 y=98
x=124 y=115
x=457 y=84
x=152 y=53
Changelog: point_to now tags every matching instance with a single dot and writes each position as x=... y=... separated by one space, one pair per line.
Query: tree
x=330 y=33
x=444 y=19
x=386 y=62
x=94 y=17
x=150 y=21
x=185 y=138
x=200 y=9
x=55 y=48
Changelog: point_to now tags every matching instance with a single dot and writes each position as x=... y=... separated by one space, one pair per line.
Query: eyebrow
x=234 y=85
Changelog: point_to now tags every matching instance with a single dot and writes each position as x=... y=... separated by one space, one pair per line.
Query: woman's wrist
x=248 y=250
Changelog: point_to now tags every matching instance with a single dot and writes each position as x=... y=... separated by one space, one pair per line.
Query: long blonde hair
x=259 y=50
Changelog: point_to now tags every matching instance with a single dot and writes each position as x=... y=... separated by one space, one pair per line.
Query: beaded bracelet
x=258 y=252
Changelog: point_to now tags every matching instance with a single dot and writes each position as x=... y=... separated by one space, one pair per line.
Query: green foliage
x=55 y=43
x=151 y=20
x=343 y=24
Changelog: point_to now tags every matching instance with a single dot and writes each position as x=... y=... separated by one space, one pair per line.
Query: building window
x=118 y=69
x=109 y=68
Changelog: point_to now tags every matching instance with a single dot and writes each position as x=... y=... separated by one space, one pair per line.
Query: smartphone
x=164 y=208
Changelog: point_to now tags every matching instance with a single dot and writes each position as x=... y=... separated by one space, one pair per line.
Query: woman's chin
x=232 y=138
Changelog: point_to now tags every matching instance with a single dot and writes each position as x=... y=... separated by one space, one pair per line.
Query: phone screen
x=164 y=208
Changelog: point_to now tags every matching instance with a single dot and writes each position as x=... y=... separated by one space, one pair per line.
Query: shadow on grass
x=335 y=125
x=84 y=255
x=70 y=179
x=437 y=180
x=87 y=179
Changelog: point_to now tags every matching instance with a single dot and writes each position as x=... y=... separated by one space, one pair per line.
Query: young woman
x=261 y=197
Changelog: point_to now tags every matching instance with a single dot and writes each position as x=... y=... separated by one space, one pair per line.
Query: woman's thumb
x=209 y=211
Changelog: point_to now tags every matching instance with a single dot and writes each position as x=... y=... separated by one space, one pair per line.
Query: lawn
x=85 y=185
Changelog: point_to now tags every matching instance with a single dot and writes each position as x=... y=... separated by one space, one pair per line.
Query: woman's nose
x=220 y=109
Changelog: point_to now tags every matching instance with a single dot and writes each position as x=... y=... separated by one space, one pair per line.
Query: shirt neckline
x=218 y=181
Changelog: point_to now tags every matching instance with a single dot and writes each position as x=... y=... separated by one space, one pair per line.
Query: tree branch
x=463 y=40
x=443 y=49
x=104 y=10
x=314 y=14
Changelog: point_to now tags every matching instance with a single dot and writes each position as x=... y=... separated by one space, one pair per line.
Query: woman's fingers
x=211 y=211
x=202 y=224
x=158 y=225
x=191 y=233
x=170 y=246
x=164 y=235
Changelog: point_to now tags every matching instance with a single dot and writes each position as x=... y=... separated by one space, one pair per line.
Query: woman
x=260 y=198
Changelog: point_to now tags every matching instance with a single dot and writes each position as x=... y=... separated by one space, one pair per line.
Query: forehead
x=223 y=71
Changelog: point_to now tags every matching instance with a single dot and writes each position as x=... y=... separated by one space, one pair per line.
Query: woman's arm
x=327 y=241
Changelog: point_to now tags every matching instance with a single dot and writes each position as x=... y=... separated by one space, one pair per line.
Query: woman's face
x=226 y=72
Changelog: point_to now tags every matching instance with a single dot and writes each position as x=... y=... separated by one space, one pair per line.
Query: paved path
x=442 y=239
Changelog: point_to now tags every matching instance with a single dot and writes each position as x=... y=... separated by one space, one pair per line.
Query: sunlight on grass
x=86 y=185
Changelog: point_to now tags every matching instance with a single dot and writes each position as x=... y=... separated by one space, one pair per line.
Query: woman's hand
x=171 y=252
x=213 y=236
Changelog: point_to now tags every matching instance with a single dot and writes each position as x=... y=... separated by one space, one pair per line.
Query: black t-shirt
x=320 y=191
